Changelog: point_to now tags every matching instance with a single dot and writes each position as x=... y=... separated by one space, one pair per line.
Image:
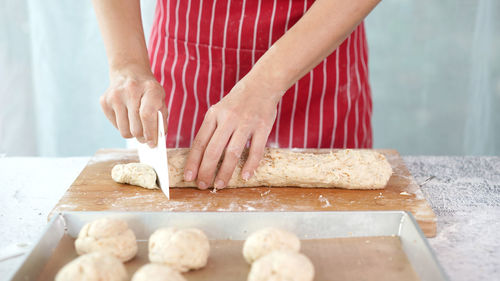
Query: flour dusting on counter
x=324 y=201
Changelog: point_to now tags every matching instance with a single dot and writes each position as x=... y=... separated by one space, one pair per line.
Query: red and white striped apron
x=200 y=49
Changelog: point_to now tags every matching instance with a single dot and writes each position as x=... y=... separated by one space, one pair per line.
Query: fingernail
x=219 y=184
x=246 y=176
x=202 y=185
x=188 y=175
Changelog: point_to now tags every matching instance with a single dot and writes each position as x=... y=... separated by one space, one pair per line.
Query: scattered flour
x=324 y=201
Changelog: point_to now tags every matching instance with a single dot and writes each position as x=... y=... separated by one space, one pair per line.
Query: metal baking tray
x=236 y=226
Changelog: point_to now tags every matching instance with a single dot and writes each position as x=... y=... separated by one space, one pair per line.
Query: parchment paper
x=360 y=258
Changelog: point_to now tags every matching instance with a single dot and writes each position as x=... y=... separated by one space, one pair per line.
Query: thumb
x=164 y=113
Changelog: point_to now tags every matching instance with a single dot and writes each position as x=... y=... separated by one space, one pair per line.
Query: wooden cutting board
x=94 y=190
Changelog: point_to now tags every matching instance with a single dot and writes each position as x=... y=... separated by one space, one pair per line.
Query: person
x=282 y=73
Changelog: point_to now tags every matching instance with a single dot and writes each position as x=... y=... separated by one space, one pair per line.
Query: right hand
x=131 y=104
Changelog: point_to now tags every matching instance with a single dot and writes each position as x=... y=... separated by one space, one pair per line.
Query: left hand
x=247 y=112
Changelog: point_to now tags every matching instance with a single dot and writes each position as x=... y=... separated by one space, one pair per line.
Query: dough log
x=347 y=168
x=135 y=174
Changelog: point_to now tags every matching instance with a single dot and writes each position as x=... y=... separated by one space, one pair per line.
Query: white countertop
x=30 y=189
x=464 y=192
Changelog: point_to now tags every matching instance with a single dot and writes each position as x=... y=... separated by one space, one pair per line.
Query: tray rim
x=61 y=218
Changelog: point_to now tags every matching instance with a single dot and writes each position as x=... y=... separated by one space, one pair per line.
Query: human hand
x=131 y=104
x=247 y=112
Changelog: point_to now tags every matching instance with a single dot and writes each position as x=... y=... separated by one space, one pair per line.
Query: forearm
x=134 y=96
x=121 y=28
x=316 y=35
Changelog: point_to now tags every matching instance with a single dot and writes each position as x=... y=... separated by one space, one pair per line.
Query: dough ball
x=135 y=174
x=182 y=249
x=266 y=240
x=107 y=235
x=157 y=272
x=282 y=266
x=93 y=267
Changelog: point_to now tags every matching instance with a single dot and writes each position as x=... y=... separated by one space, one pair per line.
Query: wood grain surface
x=94 y=190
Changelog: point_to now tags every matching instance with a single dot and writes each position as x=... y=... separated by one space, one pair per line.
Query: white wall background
x=435 y=73
x=52 y=71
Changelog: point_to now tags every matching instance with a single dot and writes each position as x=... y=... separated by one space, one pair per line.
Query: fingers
x=255 y=154
x=116 y=111
x=164 y=113
x=135 y=123
x=122 y=120
x=152 y=101
x=231 y=158
x=212 y=155
x=132 y=106
x=108 y=111
x=198 y=147
x=148 y=113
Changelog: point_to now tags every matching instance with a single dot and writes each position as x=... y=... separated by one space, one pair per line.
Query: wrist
x=273 y=72
x=268 y=80
x=133 y=70
x=257 y=85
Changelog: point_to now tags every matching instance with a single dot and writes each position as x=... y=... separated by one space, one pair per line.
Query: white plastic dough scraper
x=157 y=157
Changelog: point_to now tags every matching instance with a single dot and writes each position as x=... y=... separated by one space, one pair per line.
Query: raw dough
x=107 y=235
x=347 y=168
x=135 y=174
x=182 y=249
x=93 y=267
x=264 y=241
x=282 y=266
x=157 y=272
